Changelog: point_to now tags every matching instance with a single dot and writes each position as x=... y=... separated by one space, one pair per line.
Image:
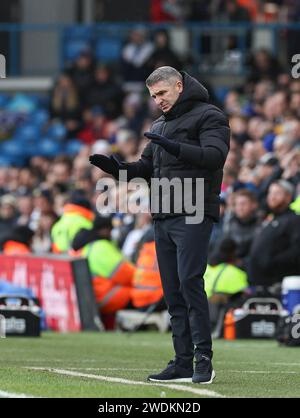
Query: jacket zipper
x=160 y=150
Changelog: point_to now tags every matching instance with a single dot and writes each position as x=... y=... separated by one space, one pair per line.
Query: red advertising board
x=52 y=281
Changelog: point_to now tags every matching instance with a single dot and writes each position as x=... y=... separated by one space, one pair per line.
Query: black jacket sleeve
x=290 y=255
x=214 y=137
x=143 y=167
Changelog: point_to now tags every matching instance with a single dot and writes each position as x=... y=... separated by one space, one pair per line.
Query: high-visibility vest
x=224 y=278
x=64 y=230
x=147 y=288
x=295 y=205
x=112 y=274
x=14 y=248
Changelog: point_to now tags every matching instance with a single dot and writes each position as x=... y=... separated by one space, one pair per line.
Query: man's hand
x=108 y=164
x=170 y=146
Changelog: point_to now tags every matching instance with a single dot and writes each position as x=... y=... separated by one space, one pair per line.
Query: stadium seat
x=40 y=117
x=73 y=146
x=57 y=131
x=4 y=99
x=73 y=48
x=11 y=147
x=221 y=93
x=108 y=49
x=48 y=147
x=21 y=102
x=5 y=161
x=27 y=132
x=12 y=151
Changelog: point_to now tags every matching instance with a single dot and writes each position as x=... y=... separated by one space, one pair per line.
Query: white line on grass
x=256 y=362
x=117 y=369
x=4 y=394
x=261 y=371
x=182 y=388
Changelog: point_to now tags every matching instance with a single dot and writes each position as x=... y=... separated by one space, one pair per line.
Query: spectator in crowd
x=25 y=209
x=146 y=290
x=263 y=66
x=17 y=241
x=64 y=101
x=243 y=225
x=77 y=214
x=134 y=113
x=135 y=56
x=127 y=143
x=42 y=243
x=134 y=237
x=200 y=10
x=224 y=280
x=275 y=251
x=3 y=181
x=96 y=128
x=167 y=10
x=267 y=171
x=8 y=214
x=103 y=91
x=81 y=73
x=59 y=177
x=234 y=12
x=112 y=274
x=163 y=54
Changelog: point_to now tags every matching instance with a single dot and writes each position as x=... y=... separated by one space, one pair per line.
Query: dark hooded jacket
x=203 y=133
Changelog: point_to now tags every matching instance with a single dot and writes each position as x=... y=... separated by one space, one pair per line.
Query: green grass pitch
x=105 y=365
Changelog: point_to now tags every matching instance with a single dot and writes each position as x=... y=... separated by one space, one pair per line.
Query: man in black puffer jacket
x=189 y=141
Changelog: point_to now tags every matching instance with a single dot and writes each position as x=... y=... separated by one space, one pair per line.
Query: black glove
x=110 y=165
x=170 y=146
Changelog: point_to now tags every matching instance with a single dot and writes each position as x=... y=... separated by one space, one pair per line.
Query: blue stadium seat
x=27 y=132
x=12 y=151
x=40 y=117
x=5 y=161
x=73 y=48
x=108 y=49
x=48 y=147
x=57 y=131
x=221 y=93
x=12 y=147
x=73 y=146
x=4 y=99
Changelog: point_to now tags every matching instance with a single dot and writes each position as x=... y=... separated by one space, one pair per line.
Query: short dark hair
x=163 y=74
x=246 y=193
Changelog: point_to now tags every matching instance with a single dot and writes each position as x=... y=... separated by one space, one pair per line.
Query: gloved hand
x=110 y=165
x=170 y=146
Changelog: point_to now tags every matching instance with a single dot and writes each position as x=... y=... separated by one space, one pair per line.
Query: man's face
x=278 y=199
x=166 y=93
x=244 y=207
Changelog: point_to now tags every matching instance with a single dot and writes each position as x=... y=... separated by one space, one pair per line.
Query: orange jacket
x=113 y=293
x=14 y=248
x=147 y=288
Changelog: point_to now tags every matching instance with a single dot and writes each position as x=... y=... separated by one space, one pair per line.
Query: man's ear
x=179 y=86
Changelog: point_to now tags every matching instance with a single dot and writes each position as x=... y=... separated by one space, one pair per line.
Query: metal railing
x=197 y=34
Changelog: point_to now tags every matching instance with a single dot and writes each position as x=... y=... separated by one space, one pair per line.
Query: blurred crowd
x=215 y=10
x=259 y=231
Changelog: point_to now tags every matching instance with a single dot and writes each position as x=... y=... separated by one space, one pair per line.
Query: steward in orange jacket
x=18 y=242
x=77 y=214
x=147 y=288
x=112 y=274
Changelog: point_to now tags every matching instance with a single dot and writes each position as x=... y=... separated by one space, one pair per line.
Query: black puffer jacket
x=203 y=133
x=275 y=251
